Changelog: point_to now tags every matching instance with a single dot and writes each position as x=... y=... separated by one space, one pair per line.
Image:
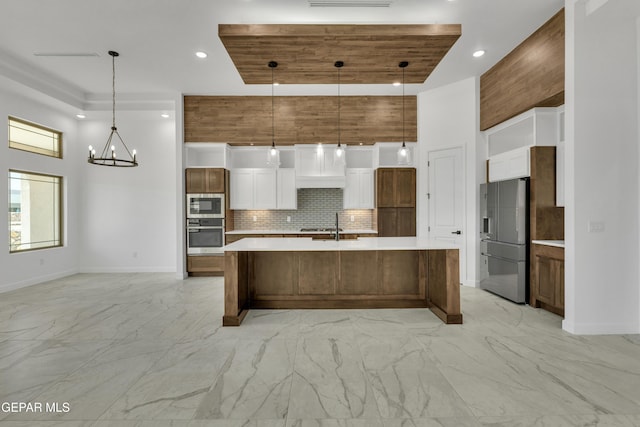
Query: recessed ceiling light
x=201 y=54
x=164 y=115
x=478 y=53
x=396 y=83
x=81 y=116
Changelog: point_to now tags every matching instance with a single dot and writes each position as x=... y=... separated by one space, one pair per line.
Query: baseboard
x=36 y=280
x=600 y=328
x=128 y=270
x=471 y=283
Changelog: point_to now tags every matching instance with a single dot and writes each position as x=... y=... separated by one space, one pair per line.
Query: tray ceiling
x=306 y=53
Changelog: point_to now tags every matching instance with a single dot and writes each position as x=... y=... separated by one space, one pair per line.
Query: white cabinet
x=509 y=142
x=241 y=188
x=258 y=189
x=286 y=191
x=264 y=189
x=358 y=191
x=253 y=189
x=509 y=165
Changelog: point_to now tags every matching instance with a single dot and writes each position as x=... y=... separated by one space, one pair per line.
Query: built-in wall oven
x=205 y=205
x=205 y=236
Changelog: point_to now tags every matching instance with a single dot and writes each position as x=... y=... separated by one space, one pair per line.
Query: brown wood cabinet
x=547 y=278
x=342 y=279
x=396 y=201
x=205 y=265
x=205 y=180
x=396 y=188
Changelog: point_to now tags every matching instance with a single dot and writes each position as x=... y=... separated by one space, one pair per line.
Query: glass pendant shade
x=339 y=155
x=404 y=154
x=273 y=155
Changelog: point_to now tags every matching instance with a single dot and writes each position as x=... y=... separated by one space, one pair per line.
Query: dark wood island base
x=342 y=279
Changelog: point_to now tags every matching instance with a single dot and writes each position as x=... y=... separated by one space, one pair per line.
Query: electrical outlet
x=41 y=261
x=596 y=226
x=135 y=254
x=255 y=218
x=288 y=219
x=353 y=218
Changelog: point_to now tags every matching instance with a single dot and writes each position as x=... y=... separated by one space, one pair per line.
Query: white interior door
x=446 y=197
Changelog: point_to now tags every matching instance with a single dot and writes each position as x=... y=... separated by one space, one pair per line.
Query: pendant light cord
x=403 y=106
x=273 y=126
x=338 y=106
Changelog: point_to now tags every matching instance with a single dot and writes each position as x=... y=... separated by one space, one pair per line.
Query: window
x=35 y=214
x=34 y=138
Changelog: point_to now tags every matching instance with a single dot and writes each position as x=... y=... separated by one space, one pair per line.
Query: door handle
x=456 y=232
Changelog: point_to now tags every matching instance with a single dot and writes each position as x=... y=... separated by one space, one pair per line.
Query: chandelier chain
x=113 y=89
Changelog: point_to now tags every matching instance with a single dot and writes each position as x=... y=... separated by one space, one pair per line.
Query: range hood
x=320 y=181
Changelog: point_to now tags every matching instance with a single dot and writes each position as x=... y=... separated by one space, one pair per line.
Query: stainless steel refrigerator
x=504 y=244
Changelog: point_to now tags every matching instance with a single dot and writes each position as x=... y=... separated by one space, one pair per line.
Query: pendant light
x=108 y=155
x=404 y=154
x=273 y=155
x=339 y=154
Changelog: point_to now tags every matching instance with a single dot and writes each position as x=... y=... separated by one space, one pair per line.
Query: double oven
x=205 y=224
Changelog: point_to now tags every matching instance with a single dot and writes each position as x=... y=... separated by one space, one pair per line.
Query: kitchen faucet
x=337 y=229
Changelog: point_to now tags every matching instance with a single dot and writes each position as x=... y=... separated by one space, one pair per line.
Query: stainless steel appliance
x=205 y=236
x=205 y=205
x=504 y=244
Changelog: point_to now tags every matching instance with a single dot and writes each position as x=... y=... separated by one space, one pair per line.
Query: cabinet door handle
x=456 y=232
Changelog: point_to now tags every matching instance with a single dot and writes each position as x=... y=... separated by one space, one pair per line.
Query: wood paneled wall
x=531 y=75
x=240 y=120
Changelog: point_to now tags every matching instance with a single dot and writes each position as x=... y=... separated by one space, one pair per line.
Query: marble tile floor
x=149 y=350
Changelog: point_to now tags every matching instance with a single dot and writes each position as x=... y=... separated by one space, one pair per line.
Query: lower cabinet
x=205 y=265
x=547 y=278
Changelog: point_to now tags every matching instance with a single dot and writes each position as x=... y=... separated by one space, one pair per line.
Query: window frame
x=37 y=126
x=60 y=210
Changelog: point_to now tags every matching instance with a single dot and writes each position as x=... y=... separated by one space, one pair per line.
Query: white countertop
x=361 y=244
x=556 y=243
x=364 y=231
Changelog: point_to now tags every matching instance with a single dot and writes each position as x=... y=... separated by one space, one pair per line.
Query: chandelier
x=108 y=155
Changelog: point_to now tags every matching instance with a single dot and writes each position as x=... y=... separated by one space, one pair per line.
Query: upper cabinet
x=358 y=191
x=253 y=189
x=508 y=143
x=286 y=191
x=396 y=188
x=259 y=188
x=205 y=180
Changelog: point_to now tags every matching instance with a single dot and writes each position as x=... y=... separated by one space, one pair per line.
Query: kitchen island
x=370 y=272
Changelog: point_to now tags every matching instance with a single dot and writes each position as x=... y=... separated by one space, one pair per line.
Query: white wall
x=129 y=214
x=27 y=268
x=447 y=117
x=602 y=182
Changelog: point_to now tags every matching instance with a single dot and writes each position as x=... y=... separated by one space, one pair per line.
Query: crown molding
x=46 y=84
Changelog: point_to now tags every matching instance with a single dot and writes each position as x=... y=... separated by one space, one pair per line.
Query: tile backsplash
x=316 y=208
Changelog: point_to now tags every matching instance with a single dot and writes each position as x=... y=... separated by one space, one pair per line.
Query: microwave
x=205 y=205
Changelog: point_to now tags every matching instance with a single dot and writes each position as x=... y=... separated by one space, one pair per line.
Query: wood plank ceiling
x=306 y=53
